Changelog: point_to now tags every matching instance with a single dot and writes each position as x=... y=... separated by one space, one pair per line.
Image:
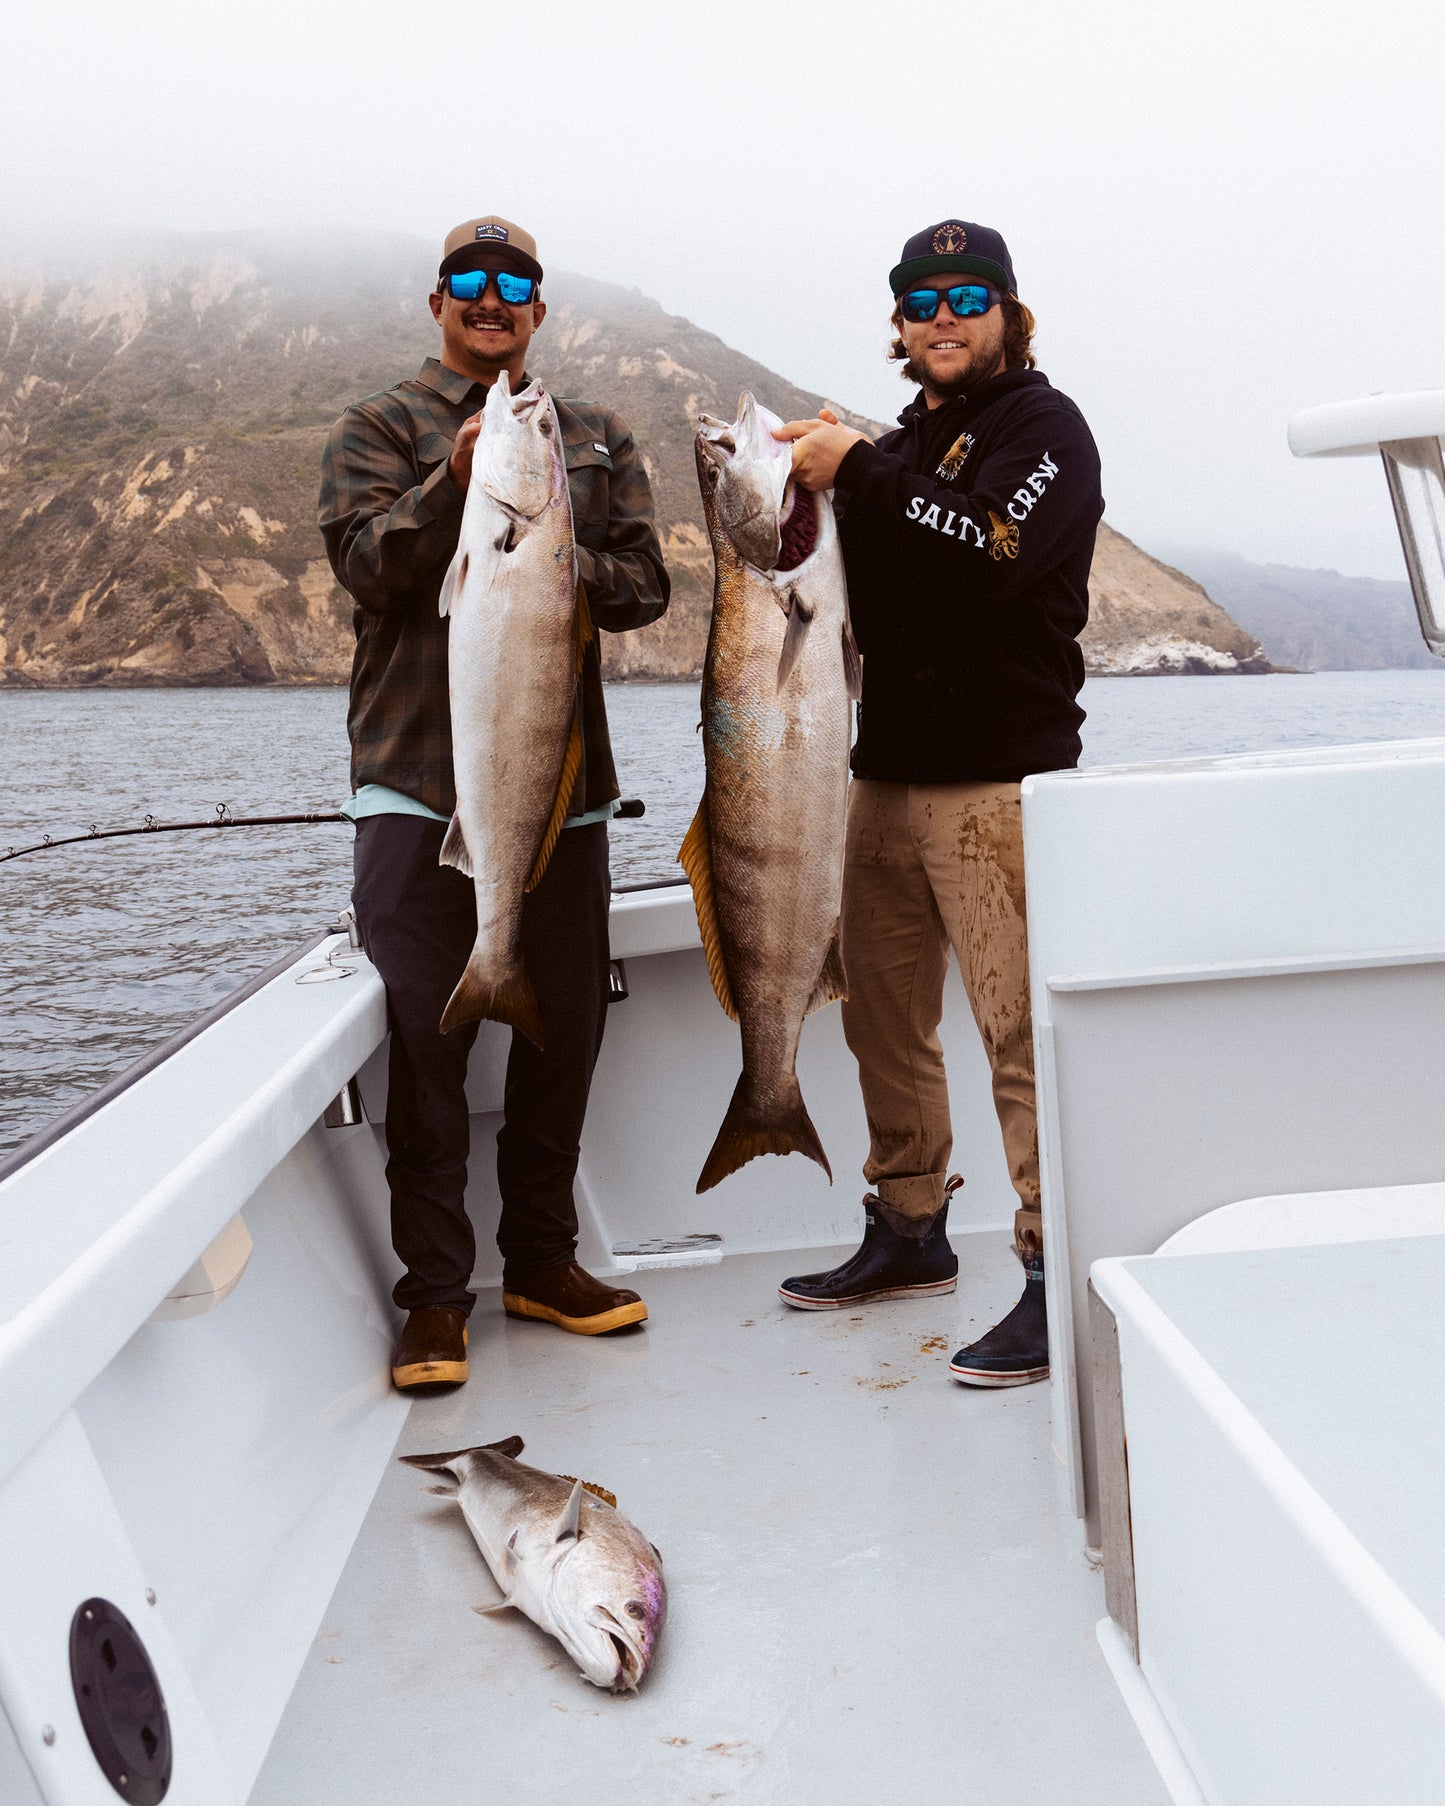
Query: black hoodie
x=967 y=537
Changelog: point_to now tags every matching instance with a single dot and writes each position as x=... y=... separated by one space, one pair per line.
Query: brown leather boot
x=433 y=1348
x=572 y=1299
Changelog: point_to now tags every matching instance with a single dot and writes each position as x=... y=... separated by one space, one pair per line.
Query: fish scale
x=519 y=627
x=764 y=854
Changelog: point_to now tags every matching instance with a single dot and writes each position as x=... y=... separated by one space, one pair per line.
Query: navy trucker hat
x=955 y=244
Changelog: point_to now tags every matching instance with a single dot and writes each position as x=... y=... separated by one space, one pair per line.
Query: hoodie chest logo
x=953 y=458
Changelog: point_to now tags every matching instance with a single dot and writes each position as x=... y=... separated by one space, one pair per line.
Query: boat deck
x=875 y=1593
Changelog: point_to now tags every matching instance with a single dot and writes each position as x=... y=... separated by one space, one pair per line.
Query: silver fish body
x=563 y=1555
x=765 y=852
x=518 y=625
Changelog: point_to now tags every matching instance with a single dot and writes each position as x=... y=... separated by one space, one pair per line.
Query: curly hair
x=1019 y=327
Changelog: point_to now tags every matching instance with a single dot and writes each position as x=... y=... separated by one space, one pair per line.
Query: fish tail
x=480 y=996
x=748 y=1131
x=435 y=1464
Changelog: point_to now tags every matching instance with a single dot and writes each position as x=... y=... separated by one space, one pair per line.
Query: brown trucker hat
x=491 y=240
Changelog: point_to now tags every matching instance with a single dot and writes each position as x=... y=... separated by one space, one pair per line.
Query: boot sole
x=969 y=1376
x=939 y=1289
x=516 y=1306
x=429 y=1373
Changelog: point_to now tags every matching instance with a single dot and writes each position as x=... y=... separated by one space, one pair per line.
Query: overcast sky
x=1219 y=212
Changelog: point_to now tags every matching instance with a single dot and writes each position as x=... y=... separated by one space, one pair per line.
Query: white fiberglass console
x=1238 y=975
x=1274 y=1552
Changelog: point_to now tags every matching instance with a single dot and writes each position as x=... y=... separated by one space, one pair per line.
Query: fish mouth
x=631 y=1662
x=629 y=1668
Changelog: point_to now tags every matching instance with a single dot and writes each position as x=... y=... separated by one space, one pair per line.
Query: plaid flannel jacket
x=390 y=515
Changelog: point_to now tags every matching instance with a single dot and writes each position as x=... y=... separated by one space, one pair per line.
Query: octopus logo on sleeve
x=1003 y=538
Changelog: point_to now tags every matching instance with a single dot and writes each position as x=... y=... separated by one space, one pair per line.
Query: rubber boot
x=886 y=1265
x=1016 y=1351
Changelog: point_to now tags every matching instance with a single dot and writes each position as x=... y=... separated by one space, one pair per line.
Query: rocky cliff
x=162 y=409
x=1316 y=620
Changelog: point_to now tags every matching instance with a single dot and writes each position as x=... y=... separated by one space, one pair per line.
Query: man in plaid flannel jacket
x=394 y=480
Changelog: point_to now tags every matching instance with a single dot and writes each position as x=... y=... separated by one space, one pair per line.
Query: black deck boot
x=887 y=1265
x=1016 y=1351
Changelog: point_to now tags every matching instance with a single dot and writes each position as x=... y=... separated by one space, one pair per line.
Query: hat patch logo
x=491 y=231
x=950 y=239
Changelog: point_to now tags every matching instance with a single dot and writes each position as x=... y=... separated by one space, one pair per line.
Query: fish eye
x=546 y=427
x=636 y=1609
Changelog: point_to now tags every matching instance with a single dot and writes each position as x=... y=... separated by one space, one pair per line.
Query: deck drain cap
x=120 y=1702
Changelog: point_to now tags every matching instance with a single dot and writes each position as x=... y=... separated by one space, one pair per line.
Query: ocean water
x=107 y=948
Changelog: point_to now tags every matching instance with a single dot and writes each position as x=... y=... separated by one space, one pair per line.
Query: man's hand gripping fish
x=564 y=1554
x=519 y=625
x=765 y=851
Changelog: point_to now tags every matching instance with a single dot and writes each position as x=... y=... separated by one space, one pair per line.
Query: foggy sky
x=1220 y=213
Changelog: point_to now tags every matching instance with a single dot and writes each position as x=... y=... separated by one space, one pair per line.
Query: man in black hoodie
x=967 y=537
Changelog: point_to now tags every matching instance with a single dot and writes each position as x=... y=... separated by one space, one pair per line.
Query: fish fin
x=511 y=1446
x=478 y=998
x=586 y=632
x=571 y=765
x=569 y=1525
x=832 y=980
x=598 y=1492
x=436 y=1464
x=747 y=1132
x=852 y=662
x=695 y=858
x=491 y=1611
x=454 y=848
x=800 y=619
x=452 y=583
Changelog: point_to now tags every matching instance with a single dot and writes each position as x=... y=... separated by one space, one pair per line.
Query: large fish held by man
x=519 y=625
x=765 y=851
x=563 y=1553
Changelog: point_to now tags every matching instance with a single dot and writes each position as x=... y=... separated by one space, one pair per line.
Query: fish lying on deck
x=519 y=625
x=765 y=851
x=564 y=1554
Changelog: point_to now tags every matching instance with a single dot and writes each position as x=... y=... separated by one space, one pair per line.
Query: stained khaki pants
x=931 y=866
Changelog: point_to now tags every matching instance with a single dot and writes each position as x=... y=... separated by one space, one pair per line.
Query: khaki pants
x=931 y=866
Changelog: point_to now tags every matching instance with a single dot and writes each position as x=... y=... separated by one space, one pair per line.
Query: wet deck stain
x=878 y=1382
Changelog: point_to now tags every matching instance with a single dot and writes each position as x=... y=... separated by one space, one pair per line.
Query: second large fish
x=519 y=626
x=765 y=851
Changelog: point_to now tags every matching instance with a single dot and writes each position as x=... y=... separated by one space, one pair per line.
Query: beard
x=980 y=366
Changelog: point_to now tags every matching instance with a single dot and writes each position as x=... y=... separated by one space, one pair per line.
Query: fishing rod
x=223 y=818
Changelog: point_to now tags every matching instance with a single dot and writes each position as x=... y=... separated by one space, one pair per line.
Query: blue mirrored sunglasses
x=470 y=285
x=967 y=299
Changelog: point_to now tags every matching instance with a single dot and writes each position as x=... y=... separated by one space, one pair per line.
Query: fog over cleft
x=1220 y=212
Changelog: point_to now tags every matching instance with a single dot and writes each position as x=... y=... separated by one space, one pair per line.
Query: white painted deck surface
x=876 y=1593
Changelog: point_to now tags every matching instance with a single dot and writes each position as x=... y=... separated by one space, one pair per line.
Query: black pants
x=418 y=921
